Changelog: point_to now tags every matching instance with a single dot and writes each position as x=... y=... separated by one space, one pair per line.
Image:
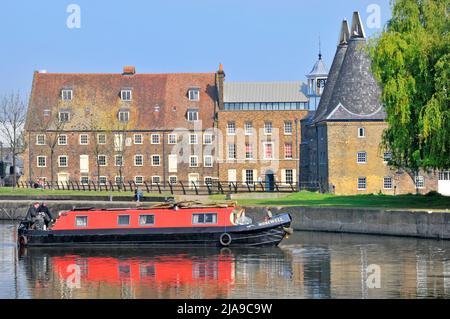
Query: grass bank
x=357 y=201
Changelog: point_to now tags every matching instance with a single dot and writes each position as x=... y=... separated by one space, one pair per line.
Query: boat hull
x=269 y=233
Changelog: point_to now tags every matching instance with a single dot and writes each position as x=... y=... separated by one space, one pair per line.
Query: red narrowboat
x=173 y=224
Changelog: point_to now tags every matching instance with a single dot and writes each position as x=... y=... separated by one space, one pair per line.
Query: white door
x=63 y=178
x=444 y=183
x=232 y=176
x=173 y=162
x=193 y=179
x=84 y=163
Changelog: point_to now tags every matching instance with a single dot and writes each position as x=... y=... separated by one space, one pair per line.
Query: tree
x=411 y=61
x=12 y=119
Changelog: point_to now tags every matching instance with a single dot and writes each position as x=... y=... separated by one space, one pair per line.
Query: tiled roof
x=159 y=101
x=235 y=92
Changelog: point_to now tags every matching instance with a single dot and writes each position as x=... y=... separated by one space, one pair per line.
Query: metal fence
x=180 y=187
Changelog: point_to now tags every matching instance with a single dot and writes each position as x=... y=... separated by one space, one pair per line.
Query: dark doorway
x=270 y=181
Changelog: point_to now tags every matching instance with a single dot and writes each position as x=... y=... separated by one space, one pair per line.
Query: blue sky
x=256 y=40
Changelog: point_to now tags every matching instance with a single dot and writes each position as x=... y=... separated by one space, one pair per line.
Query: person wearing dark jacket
x=32 y=211
x=47 y=215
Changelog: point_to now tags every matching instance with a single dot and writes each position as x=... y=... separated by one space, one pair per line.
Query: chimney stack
x=129 y=70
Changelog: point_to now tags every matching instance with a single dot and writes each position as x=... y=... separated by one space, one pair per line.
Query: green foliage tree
x=411 y=61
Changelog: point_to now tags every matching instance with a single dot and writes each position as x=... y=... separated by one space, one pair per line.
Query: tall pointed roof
x=319 y=69
x=355 y=92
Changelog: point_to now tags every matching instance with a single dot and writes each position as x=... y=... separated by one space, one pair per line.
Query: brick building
x=341 y=141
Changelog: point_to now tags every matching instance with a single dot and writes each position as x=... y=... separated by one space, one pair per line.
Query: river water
x=307 y=265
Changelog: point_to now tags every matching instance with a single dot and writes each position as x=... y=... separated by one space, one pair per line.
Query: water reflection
x=308 y=265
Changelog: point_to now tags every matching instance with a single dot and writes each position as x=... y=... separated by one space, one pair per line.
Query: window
x=208 y=180
x=268 y=151
x=62 y=161
x=288 y=127
x=172 y=139
x=208 y=161
x=207 y=139
x=47 y=112
x=40 y=139
x=231 y=128
x=361 y=157
x=194 y=94
x=249 y=178
x=387 y=156
x=268 y=128
x=156 y=180
x=289 y=176
x=123 y=220
x=248 y=151
x=156 y=138
x=41 y=161
x=84 y=180
x=387 y=182
x=172 y=180
x=124 y=116
x=62 y=140
x=125 y=95
x=208 y=218
x=362 y=184
x=118 y=142
x=64 y=117
x=84 y=139
x=138 y=139
x=66 y=95
x=231 y=151
x=193 y=139
x=288 y=150
x=193 y=161
x=102 y=180
x=138 y=160
x=192 y=115
x=81 y=221
x=420 y=181
x=248 y=128
x=361 y=132
x=157 y=108
x=139 y=180
x=145 y=220
x=156 y=160
x=102 y=160
x=101 y=139
x=118 y=180
x=118 y=160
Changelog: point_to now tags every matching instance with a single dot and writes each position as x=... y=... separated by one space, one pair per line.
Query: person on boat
x=48 y=218
x=268 y=215
x=35 y=218
x=32 y=212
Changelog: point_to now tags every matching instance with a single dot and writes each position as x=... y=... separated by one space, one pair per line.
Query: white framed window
x=84 y=139
x=63 y=161
x=126 y=95
x=118 y=180
x=47 y=112
x=288 y=151
x=102 y=160
x=361 y=132
x=231 y=151
x=248 y=128
x=248 y=151
x=288 y=127
x=40 y=139
x=41 y=161
x=208 y=180
x=362 y=183
x=267 y=128
x=64 y=117
x=387 y=156
x=249 y=177
x=231 y=128
x=84 y=180
x=420 y=181
x=156 y=160
x=124 y=116
x=289 y=176
x=138 y=139
x=387 y=182
x=361 y=158
x=172 y=139
x=194 y=94
x=118 y=160
x=66 y=95
x=173 y=179
x=139 y=180
x=268 y=150
x=155 y=139
x=207 y=139
x=102 y=180
x=118 y=142
x=192 y=115
x=208 y=161
x=101 y=139
x=193 y=161
x=62 y=139
x=156 y=180
x=138 y=160
x=193 y=139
